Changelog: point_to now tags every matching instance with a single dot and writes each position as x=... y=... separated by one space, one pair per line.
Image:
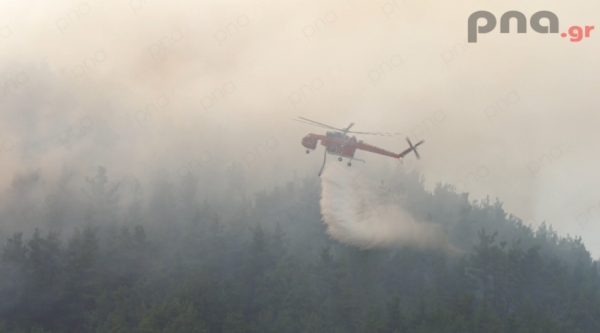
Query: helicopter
x=338 y=142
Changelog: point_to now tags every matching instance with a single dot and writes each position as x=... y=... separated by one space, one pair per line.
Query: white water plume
x=359 y=212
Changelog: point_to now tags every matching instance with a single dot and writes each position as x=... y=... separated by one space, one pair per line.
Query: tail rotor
x=413 y=147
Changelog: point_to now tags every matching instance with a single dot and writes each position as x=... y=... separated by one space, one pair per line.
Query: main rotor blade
x=376 y=133
x=346 y=130
x=318 y=123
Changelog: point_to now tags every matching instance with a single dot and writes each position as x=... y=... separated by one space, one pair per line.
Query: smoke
x=359 y=212
x=199 y=88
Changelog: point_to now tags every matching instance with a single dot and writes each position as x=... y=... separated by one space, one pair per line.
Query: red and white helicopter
x=337 y=142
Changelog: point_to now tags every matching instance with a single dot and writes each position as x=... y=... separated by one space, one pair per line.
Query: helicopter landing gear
x=349 y=164
x=307 y=151
x=339 y=159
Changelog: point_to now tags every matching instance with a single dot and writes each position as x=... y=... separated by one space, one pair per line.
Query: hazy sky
x=187 y=86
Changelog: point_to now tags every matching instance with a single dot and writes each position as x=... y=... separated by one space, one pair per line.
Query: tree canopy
x=265 y=264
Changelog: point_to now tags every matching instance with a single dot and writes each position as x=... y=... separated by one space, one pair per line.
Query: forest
x=156 y=258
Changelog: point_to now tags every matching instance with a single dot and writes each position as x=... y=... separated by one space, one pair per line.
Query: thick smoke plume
x=359 y=212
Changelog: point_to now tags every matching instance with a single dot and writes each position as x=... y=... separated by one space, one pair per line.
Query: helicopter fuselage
x=340 y=144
